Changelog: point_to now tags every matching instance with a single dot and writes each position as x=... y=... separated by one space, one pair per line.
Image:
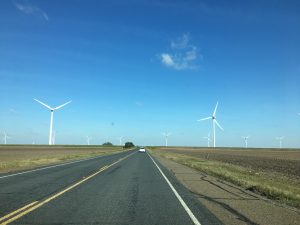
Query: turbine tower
x=246 y=140
x=120 y=139
x=88 y=139
x=5 y=137
x=208 y=139
x=51 y=116
x=166 y=135
x=214 y=122
x=280 y=141
x=53 y=138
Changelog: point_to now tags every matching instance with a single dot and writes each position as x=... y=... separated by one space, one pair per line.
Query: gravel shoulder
x=229 y=203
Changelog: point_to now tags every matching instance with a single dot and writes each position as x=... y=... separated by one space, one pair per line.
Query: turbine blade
x=43 y=104
x=207 y=118
x=215 y=111
x=58 y=107
x=218 y=125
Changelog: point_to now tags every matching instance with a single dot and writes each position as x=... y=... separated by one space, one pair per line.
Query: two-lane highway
x=124 y=188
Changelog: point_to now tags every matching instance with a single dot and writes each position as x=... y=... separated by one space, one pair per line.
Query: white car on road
x=142 y=150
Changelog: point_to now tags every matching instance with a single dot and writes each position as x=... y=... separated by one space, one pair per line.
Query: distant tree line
x=126 y=145
x=107 y=144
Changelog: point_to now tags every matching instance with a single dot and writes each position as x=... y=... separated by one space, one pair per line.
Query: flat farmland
x=286 y=162
x=274 y=173
x=14 y=158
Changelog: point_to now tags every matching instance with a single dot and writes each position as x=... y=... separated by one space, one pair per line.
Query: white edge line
x=184 y=205
x=49 y=167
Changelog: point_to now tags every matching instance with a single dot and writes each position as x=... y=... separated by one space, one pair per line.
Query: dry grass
x=14 y=158
x=273 y=185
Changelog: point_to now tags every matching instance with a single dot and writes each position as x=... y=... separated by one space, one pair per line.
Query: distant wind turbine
x=208 y=139
x=280 y=141
x=214 y=122
x=246 y=140
x=88 y=139
x=51 y=116
x=166 y=135
x=120 y=139
x=5 y=137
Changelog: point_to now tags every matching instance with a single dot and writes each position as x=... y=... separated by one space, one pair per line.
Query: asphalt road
x=124 y=188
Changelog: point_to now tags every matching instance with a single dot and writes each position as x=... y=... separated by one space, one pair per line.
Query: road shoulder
x=229 y=203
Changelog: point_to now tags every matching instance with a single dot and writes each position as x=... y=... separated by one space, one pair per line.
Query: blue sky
x=139 y=68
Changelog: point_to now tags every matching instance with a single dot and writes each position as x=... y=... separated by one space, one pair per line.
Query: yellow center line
x=27 y=208
x=17 y=211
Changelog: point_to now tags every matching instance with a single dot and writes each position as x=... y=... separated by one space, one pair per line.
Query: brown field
x=270 y=172
x=285 y=162
x=13 y=158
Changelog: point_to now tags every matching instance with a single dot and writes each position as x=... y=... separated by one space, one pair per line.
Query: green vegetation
x=274 y=187
x=107 y=144
x=128 y=145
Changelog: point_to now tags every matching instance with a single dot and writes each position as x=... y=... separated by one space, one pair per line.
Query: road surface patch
x=184 y=205
x=37 y=204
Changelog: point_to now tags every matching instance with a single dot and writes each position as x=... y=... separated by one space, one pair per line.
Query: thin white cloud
x=182 y=55
x=167 y=59
x=181 y=42
x=28 y=8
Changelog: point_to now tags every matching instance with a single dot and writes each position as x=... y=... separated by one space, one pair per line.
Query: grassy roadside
x=274 y=187
x=32 y=161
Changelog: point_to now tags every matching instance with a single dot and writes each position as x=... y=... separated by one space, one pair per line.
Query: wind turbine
x=166 y=137
x=208 y=139
x=246 y=140
x=51 y=116
x=5 y=137
x=120 y=139
x=88 y=140
x=214 y=122
x=280 y=141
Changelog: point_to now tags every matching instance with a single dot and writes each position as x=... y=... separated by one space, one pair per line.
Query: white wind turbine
x=5 y=137
x=214 y=122
x=51 y=116
x=280 y=141
x=246 y=140
x=88 y=139
x=208 y=139
x=120 y=139
x=166 y=135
